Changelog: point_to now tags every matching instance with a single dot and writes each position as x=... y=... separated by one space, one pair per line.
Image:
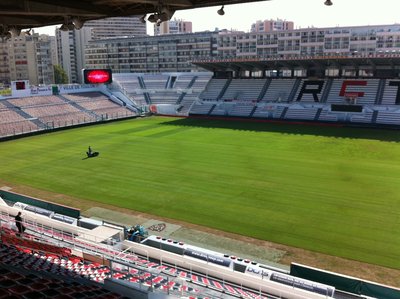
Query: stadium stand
x=17 y=282
x=242 y=109
x=12 y=123
x=222 y=109
x=69 y=253
x=362 y=101
x=35 y=113
x=202 y=108
x=327 y=116
x=35 y=101
x=52 y=261
x=243 y=90
x=99 y=105
x=156 y=81
x=129 y=84
x=213 y=89
x=179 y=90
x=388 y=117
x=263 y=111
x=301 y=113
x=365 y=87
x=389 y=96
x=279 y=90
x=22 y=255
x=315 y=85
x=96 y=257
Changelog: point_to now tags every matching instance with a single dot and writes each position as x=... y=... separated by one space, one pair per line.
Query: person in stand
x=18 y=223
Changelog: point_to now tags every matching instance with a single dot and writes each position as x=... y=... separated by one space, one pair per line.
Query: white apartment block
x=177 y=52
x=174 y=26
x=272 y=25
x=116 y=27
x=71 y=44
x=29 y=58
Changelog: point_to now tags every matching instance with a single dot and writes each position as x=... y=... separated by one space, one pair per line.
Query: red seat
x=66 y=290
x=14 y=276
x=19 y=290
x=63 y=296
x=4 y=293
x=38 y=286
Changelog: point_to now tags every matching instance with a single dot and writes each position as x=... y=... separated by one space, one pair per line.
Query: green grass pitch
x=328 y=189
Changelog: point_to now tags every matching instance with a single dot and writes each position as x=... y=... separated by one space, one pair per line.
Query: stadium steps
x=168 y=84
x=374 y=117
x=263 y=91
x=180 y=99
x=318 y=114
x=343 y=295
x=388 y=118
x=76 y=105
x=212 y=108
x=389 y=96
x=143 y=86
x=221 y=94
x=86 y=273
x=294 y=90
x=253 y=110
x=327 y=89
x=380 y=91
x=22 y=113
x=24 y=282
x=184 y=93
x=285 y=110
x=128 y=103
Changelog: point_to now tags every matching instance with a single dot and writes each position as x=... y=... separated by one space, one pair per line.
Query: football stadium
x=266 y=176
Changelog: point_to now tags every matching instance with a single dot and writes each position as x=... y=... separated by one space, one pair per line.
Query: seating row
x=22 y=115
x=143 y=271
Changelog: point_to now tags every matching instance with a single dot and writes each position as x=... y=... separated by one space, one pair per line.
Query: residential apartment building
x=311 y=41
x=70 y=51
x=175 y=52
x=29 y=58
x=164 y=53
x=174 y=26
x=116 y=27
x=71 y=44
x=4 y=65
x=272 y=25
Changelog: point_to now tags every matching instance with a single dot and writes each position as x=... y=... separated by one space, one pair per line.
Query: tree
x=60 y=76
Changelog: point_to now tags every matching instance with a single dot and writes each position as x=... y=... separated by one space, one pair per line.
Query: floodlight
x=67 y=27
x=78 y=23
x=15 y=31
x=221 y=11
x=6 y=36
x=166 y=14
x=153 y=18
x=163 y=17
x=27 y=32
x=64 y=27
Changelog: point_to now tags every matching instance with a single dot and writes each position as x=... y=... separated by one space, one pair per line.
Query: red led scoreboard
x=97 y=76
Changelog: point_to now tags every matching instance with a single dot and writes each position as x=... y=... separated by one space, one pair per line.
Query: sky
x=304 y=13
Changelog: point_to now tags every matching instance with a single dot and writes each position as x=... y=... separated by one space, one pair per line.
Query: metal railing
x=51 y=125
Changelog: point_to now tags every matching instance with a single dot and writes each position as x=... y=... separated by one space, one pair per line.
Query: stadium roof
x=373 y=61
x=25 y=14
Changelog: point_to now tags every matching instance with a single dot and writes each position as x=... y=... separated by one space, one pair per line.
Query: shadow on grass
x=296 y=128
